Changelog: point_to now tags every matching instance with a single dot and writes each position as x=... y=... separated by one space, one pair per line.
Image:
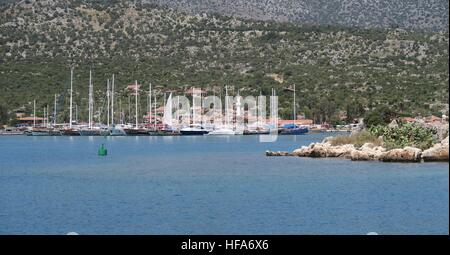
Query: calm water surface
x=210 y=185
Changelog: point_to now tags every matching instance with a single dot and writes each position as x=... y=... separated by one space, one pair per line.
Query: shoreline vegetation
x=392 y=143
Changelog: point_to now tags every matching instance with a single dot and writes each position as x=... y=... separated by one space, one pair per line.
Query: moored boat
x=90 y=132
x=136 y=131
x=70 y=132
x=194 y=130
x=39 y=132
x=291 y=129
x=11 y=131
x=222 y=131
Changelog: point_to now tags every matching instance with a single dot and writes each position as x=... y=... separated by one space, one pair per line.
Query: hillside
x=335 y=68
x=421 y=15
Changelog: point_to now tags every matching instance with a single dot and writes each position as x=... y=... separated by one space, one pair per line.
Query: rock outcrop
x=439 y=152
x=369 y=151
x=407 y=154
x=277 y=153
x=322 y=150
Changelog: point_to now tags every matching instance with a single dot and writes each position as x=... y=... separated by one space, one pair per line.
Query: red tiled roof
x=30 y=118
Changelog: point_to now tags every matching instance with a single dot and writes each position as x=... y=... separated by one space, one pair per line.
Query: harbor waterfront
x=210 y=185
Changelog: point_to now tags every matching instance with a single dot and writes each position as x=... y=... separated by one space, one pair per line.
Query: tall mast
x=112 y=101
x=193 y=106
x=34 y=113
x=71 y=99
x=154 y=117
x=90 y=99
x=129 y=110
x=46 y=118
x=76 y=113
x=295 y=113
x=178 y=110
x=226 y=106
x=107 y=101
x=54 y=113
x=43 y=121
x=150 y=103
x=136 y=103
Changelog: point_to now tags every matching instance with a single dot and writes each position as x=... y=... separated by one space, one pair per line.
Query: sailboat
x=225 y=129
x=71 y=131
x=115 y=130
x=194 y=128
x=167 y=118
x=90 y=130
x=293 y=129
x=136 y=130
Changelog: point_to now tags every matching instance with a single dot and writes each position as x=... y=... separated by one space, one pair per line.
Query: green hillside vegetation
x=335 y=69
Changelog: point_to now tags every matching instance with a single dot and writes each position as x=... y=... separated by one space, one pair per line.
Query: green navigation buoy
x=102 y=151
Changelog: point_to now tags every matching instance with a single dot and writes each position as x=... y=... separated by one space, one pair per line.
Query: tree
x=355 y=109
x=4 y=116
x=382 y=115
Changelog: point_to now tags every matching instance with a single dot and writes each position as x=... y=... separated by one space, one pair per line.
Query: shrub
x=407 y=134
x=357 y=139
x=380 y=116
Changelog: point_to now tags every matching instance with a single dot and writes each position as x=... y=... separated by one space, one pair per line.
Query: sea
x=210 y=185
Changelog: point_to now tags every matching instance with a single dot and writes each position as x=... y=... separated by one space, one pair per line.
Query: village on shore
x=114 y=119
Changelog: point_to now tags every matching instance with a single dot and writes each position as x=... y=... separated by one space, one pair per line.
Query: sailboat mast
x=34 y=113
x=149 y=103
x=112 y=101
x=193 y=107
x=71 y=99
x=54 y=113
x=44 y=118
x=295 y=113
x=226 y=105
x=136 y=103
x=178 y=110
x=90 y=99
x=107 y=103
x=154 y=117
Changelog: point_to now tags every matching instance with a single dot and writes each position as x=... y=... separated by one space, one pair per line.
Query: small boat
x=55 y=132
x=90 y=132
x=163 y=133
x=10 y=131
x=194 y=130
x=292 y=129
x=39 y=132
x=70 y=132
x=117 y=132
x=257 y=130
x=136 y=131
x=222 y=131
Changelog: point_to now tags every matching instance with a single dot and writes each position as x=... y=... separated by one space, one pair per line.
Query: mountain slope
x=426 y=15
x=335 y=69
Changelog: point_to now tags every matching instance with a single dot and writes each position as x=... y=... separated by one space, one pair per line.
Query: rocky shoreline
x=369 y=151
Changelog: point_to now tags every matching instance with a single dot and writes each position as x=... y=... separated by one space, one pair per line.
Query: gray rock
x=407 y=154
x=439 y=152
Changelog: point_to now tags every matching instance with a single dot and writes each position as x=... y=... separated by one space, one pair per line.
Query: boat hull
x=70 y=132
x=136 y=132
x=192 y=132
x=90 y=132
x=293 y=131
x=117 y=132
x=222 y=132
x=39 y=133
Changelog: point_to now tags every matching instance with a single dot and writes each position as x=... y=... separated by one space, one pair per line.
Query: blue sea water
x=210 y=185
